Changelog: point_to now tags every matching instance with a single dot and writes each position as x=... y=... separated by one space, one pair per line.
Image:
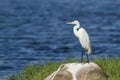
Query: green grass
x=39 y=72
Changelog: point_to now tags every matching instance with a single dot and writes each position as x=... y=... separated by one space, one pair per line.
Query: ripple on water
x=36 y=32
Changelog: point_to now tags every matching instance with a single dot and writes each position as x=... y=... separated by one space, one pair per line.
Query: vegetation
x=39 y=72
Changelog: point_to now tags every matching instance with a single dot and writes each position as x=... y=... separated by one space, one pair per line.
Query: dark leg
x=82 y=56
x=87 y=58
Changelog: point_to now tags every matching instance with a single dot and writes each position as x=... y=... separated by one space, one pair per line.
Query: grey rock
x=78 y=71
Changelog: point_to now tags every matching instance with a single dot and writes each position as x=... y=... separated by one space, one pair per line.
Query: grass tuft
x=39 y=72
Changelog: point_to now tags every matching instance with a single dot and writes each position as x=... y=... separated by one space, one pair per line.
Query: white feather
x=84 y=39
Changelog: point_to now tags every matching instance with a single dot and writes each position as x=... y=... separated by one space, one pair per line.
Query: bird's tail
x=89 y=51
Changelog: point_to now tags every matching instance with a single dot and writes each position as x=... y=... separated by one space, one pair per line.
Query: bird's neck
x=75 y=29
x=77 y=26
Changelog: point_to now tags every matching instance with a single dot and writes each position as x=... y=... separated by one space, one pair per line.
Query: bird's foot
x=82 y=61
x=88 y=61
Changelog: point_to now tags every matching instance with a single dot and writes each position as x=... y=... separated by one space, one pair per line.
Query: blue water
x=35 y=31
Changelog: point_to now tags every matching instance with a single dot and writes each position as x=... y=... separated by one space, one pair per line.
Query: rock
x=78 y=71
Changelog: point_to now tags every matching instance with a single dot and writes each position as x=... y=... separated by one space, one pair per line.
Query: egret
x=83 y=37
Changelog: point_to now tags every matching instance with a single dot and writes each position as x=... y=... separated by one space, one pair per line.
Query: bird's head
x=74 y=22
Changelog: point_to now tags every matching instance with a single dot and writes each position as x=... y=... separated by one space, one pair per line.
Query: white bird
x=83 y=37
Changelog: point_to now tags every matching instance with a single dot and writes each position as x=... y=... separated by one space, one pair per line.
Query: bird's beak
x=69 y=23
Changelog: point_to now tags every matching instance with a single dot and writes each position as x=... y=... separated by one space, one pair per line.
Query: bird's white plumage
x=84 y=39
x=82 y=35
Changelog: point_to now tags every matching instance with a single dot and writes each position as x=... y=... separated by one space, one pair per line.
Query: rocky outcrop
x=78 y=71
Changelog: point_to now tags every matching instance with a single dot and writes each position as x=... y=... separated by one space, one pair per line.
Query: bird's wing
x=84 y=38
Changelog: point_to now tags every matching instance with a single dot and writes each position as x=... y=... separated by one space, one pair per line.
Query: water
x=35 y=31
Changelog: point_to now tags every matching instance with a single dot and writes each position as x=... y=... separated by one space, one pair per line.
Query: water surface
x=35 y=31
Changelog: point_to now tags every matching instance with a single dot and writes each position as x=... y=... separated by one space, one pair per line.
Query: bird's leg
x=87 y=58
x=82 y=56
